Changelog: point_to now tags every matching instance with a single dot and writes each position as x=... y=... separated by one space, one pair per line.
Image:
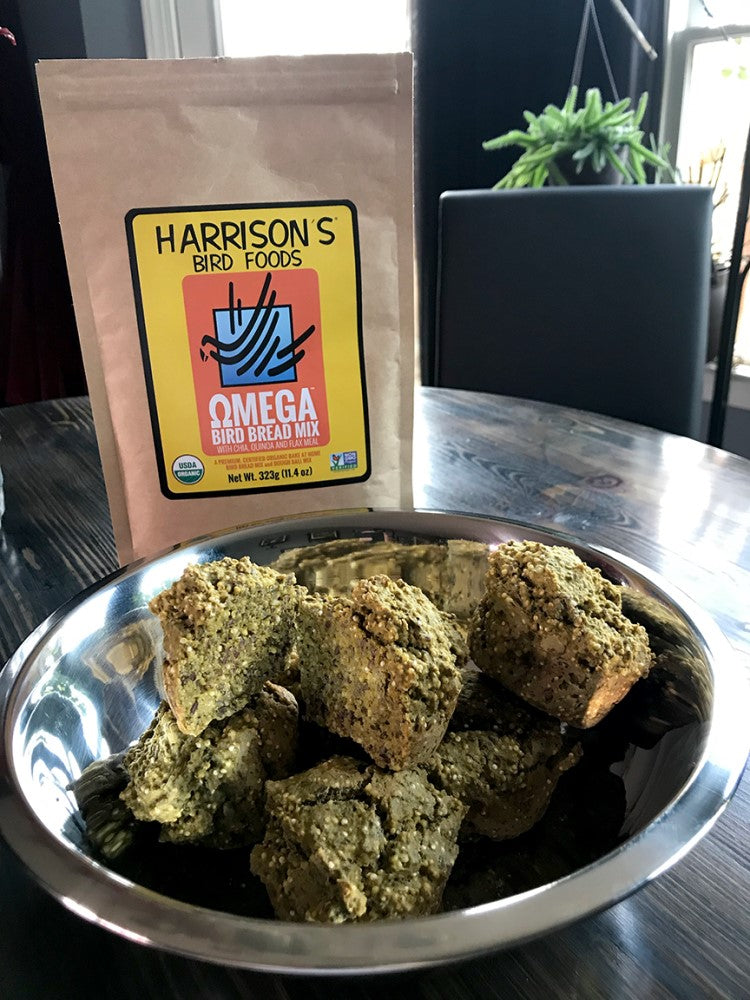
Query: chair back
x=591 y=297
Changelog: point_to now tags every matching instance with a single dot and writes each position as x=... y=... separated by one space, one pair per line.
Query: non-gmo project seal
x=188 y=470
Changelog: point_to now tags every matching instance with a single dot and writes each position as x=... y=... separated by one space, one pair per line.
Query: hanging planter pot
x=586 y=176
x=591 y=144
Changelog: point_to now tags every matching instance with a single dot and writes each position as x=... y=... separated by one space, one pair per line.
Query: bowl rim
x=97 y=894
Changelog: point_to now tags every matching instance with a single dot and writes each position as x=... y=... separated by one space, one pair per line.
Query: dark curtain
x=478 y=65
x=39 y=352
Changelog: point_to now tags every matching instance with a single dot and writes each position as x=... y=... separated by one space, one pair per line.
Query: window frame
x=679 y=65
x=680 y=52
x=176 y=29
x=181 y=29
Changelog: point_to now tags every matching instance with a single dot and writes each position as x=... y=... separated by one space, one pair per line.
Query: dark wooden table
x=678 y=506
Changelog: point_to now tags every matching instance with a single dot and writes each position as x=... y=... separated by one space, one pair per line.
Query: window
x=707 y=114
x=296 y=27
x=174 y=28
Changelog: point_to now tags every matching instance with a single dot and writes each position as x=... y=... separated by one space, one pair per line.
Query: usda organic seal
x=188 y=469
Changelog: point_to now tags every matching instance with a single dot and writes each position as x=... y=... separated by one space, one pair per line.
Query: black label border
x=338 y=480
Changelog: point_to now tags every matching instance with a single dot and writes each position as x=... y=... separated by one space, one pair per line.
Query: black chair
x=592 y=297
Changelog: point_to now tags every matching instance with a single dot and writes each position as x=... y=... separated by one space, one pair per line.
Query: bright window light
x=715 y=120
x=300 y=27
x=713 y=133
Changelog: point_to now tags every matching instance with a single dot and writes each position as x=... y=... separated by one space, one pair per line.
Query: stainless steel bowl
x=83 y=685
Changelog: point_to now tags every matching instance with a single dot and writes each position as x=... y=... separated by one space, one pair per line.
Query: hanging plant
x=571 y=145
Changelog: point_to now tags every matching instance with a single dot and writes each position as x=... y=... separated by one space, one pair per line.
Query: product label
x=250 y=325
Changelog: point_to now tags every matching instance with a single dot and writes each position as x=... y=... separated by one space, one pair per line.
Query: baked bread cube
x=381 y=669
x=505 y=785
x=551 y=629
x=228 y=627
x=210 y=788
x=501 y=758
x=348 y=842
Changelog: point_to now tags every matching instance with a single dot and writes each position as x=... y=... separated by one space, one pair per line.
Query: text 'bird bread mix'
x=240 y=248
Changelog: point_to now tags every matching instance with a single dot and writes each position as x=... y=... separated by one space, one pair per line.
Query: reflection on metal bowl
x=654 y=774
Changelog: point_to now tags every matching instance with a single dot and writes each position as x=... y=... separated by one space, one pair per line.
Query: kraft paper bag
x=239 y=240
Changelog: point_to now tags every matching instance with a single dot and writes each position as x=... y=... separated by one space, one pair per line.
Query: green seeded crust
x=210 y=788
x=381 y=669
x=551 y=629
x=228 y=627
x=505 y=784
x=346 y=841
x=501 y=757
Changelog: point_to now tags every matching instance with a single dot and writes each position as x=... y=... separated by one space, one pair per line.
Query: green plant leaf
x=636 y=165
x=596 y=103
x=587 y=150
x=539 y=176
x=557 y=116
x=617 y=163
x=589 y=108
x=653 y=158
x=662 y=149
x=570 y=101
x=640 y=111
x=514 y=138
x=556 y=174
x=533 y=158
x=615 y=114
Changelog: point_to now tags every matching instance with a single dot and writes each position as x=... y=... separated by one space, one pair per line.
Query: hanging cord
x=589 y=15
x=603 y=50
x=583 y=34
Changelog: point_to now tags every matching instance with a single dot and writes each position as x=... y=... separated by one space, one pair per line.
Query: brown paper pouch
x=240 y=247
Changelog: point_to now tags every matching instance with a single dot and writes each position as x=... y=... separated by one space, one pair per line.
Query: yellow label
x=251 y=333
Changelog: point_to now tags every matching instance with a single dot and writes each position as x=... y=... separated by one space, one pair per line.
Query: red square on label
x=256 y=352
